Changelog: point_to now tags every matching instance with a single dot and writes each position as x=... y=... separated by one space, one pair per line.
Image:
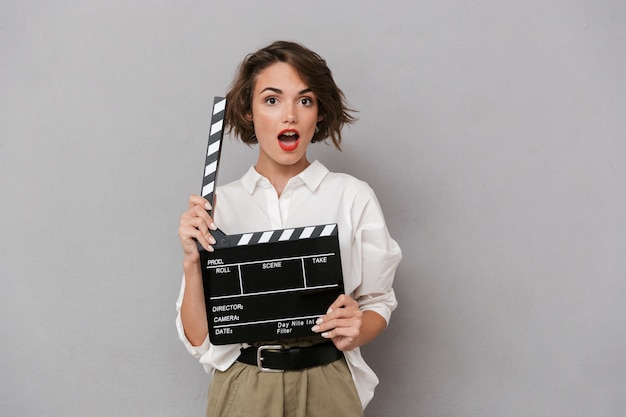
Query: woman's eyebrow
x=279 y=91
x=273 y=89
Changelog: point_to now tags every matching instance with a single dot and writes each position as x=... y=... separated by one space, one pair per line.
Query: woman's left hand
x=341 y=323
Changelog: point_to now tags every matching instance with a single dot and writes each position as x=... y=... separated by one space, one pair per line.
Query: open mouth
x=288 y=139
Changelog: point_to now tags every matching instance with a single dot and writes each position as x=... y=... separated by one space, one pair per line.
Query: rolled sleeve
x=196 y=351
x=377 y=257
x=383 y=304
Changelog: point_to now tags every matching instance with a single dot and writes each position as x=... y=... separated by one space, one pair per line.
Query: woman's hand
x=347 y=326
x=195 y=226
x=341 y=323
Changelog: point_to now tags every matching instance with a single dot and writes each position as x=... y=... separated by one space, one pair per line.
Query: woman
x=283 y=98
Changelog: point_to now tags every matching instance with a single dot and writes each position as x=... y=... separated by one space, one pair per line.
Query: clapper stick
x=212 y=160
x=264 y=285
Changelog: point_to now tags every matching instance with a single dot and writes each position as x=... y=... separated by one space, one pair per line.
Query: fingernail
x=325 y=334
x=210 y=249
x=212 y=226
x=315 y=328
x=319 y=321
x=211 y=240
x=330 y=310
x=207 y=206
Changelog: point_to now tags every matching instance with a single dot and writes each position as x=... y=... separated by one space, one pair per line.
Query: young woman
x=284 y=98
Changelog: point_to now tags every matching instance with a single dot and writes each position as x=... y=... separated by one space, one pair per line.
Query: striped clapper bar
x=268 y=285
x=214 y=149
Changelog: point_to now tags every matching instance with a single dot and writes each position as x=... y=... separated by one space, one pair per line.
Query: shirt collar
x=312 y=177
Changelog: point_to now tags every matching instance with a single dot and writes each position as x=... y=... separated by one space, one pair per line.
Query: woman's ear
x=320 y=118
x=249 y=116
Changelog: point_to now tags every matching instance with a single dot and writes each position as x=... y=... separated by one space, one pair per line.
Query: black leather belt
x=275 y=358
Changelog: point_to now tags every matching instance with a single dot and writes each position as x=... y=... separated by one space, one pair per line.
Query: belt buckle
x=259 y=357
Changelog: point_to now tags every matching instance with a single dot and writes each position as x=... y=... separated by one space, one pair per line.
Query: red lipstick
x=288 y=139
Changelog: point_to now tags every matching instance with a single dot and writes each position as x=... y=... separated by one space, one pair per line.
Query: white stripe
x=289 y=258
x=328 y=229
x=285 y=235
x=209 y=169
x=250 y=323
x=208 y=189
x=265 y=237
x=216 y=127
x=214 y=147
x=245 y=239
x=306 y=233
x=218 y=107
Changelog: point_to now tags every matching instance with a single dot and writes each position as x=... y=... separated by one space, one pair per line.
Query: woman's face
x=284 y=113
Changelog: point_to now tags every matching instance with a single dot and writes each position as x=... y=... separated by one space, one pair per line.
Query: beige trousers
x=324 y=391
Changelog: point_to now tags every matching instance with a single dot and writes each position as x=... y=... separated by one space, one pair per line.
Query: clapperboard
x=267 y=285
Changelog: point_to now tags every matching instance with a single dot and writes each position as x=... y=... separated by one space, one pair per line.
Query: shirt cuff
x=383 y=304
x=196 y=351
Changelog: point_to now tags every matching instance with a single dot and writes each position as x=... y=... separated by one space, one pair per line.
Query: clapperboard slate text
x=267 y=285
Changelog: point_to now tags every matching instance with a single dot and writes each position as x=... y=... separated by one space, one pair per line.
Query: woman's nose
x=290 y=115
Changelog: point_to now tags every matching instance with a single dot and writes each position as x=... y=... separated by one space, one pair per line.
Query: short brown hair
x=314 y=72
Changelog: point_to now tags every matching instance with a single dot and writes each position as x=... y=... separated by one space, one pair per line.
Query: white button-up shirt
x=369 y=256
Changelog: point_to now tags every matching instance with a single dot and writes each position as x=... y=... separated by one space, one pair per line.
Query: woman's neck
x=279 y=175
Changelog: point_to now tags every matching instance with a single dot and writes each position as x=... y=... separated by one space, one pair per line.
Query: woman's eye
x=271 y=100
x=306 y=101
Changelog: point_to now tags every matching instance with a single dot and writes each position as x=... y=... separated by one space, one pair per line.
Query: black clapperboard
x=266 y=285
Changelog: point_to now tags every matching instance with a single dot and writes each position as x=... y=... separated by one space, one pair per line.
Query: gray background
x=493 y=132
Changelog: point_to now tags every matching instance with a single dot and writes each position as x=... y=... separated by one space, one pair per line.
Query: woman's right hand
x=195 y=226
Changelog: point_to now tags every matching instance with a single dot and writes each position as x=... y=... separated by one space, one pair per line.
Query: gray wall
x=493 y=132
